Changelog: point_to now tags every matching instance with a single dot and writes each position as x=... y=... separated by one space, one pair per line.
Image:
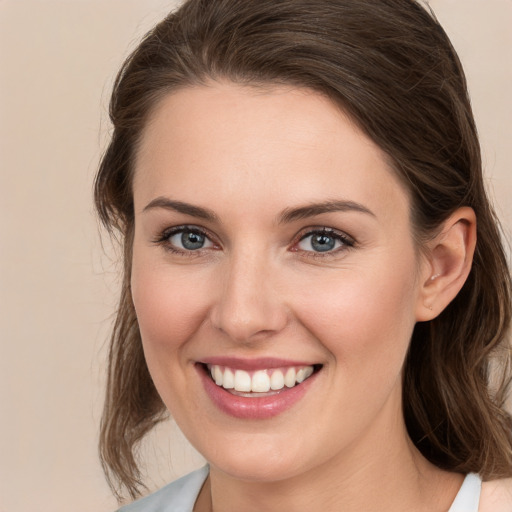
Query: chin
x=257 y=470
x=257 y=459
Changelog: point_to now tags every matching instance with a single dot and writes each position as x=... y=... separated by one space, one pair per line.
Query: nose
x=249 y=306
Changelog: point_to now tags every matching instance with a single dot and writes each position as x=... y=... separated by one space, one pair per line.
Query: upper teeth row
x=261 y=381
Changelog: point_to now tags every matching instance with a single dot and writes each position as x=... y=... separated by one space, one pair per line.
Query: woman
x=314 y=286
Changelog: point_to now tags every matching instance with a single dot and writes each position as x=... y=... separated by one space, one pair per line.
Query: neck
x=382 y=471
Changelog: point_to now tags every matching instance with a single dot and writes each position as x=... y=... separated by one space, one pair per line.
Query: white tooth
x=217 y=375
x=228 y=380
x=301 y=375
x=289 y=378
x=277 y=380
x=304 y=373
x=242 y=381
x=308 y=372
x=260 y=382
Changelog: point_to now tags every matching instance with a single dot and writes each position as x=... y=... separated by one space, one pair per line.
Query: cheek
x=169 y=308
x=169 y=305
x=365 y=319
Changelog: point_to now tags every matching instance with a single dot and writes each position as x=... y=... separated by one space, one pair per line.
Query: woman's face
x=272 y=240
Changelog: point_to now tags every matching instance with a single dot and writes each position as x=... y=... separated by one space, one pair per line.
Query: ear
x=447 y=264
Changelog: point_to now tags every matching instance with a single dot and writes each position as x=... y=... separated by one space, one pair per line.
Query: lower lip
x=254 y=408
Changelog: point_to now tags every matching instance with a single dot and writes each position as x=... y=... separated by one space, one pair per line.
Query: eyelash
x=346 y=241
x=164 y=239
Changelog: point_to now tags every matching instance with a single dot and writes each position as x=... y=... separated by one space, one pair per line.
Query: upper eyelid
x=305 y=232
x=186 y=227
x=166 y=233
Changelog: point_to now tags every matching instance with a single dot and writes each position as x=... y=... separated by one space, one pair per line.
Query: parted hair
x=391 y=67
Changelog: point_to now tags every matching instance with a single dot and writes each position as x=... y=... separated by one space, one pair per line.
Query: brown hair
x=392 y=68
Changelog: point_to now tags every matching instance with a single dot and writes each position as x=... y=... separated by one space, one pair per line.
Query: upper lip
x=259 y=363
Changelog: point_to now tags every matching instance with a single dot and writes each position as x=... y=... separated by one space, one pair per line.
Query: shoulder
x=496 y=496
x=178 y=496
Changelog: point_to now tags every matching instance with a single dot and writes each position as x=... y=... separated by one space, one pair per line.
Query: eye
x=323 y=241
x=190 y=240
x=185 y=239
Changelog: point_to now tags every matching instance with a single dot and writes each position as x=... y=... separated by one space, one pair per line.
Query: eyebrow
x=310 y=210
x=181 y=207
x=288 y=215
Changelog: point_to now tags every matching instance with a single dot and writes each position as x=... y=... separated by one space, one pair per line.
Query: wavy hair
x=392 y=69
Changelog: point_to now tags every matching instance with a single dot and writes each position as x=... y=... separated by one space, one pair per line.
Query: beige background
x=57 y=287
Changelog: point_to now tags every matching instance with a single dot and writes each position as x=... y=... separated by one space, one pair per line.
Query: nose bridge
x=249 y=305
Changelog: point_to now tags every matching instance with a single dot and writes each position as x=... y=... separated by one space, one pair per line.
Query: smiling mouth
x=259 y=383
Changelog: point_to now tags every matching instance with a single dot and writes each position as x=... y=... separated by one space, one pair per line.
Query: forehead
x=245 y=142
x=236 y=115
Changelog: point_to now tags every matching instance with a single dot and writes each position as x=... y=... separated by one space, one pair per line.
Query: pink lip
x=253 y=408
x=253 y=364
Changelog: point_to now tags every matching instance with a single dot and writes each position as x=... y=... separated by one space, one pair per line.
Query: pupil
x=192 y=241
x=322 y=243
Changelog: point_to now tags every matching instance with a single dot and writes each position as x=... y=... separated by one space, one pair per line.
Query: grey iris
x=191 y=240
x=322 y=242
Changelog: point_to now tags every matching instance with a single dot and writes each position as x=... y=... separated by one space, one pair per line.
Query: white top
x=180 y=495
x=468 y=497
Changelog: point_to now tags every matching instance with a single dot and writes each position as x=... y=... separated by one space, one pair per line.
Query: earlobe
x=448 y=263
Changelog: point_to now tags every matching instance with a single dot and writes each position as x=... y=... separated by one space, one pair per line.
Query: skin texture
x=258 y=289
x=496 y=496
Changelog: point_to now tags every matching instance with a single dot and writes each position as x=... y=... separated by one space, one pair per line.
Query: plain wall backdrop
x=58 y=288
